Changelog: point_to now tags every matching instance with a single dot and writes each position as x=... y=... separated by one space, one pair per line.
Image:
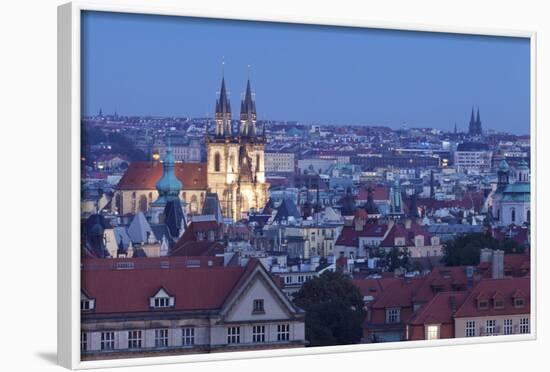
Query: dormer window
x=482 y=304
x=86 y=303
x=519 y=302
x=161 y=300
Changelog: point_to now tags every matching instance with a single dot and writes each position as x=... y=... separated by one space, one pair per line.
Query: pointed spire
x=223 y=110
x=248 y=113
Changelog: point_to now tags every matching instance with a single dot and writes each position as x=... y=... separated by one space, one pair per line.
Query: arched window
x=217 y=162
x=257 y=162
x=513 y=214
x=143 y=203
x=118 y=203
x=193 y=206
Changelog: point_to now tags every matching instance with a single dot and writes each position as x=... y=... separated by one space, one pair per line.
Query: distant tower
x=474 y=128
x=478 y=124
x=503 y=174
x=248 y=114
x=223 y=113
x=396 y=200
x=471 y=126
x=100 y=113
x=455 y=129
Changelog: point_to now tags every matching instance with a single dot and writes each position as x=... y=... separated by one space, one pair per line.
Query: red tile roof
x=442 y=279
x=126 y=291
x=440 y=309
x=350 y=237
x=399 y=231
x=487 y=288
x=145 y=175
x=378 y=193
x=398 y=293
x=201 y=248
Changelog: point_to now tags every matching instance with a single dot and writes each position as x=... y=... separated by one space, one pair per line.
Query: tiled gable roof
x=486 y=289
x=145 y=175
x=127 y=291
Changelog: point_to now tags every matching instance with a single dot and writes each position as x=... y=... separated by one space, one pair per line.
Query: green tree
x=465 y=249
x=334 y=310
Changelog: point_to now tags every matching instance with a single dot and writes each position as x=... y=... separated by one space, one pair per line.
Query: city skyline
x=140 y=65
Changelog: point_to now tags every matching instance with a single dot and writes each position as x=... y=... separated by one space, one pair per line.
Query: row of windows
x=299 y=279
x=135 y=339
x=258 y=334
x=491 y=327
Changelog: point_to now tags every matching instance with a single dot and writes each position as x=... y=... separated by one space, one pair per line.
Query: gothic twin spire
x=474 y=128
x=223 y=113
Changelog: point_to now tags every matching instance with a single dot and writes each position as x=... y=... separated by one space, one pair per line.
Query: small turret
x=248 y=113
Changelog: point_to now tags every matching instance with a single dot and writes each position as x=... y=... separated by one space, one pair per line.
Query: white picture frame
x=69 y=181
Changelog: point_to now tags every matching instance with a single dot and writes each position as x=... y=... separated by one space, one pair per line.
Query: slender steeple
x=223 y=113
x=478 y=123
x=472 y=125
x=248 y=113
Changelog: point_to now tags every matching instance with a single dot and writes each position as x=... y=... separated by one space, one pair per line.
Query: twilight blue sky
x=171 y=66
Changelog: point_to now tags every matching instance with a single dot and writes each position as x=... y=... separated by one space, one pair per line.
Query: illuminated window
x=432 y=332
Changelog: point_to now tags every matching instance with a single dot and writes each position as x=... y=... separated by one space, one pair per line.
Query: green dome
x=169 y=185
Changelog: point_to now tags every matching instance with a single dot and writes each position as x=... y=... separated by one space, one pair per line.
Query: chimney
x=408 y=223
x=497 y=265
x=485 y=255
x=470 y=276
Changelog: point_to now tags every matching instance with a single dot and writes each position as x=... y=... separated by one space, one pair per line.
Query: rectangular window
x=508 y=326
x=134 y=339
x=490 y=328
x=470 y=328
x=107 y=340
x=283 y=332
x=258 y=333
x=519 y=302
x=234 y=335
x=162 y=302
x=300 y=278
x=288 y=279
x=392 y=316
x=83 y=341
x=188 y=336
x=258 y=306
x=524 y=325
x=84 y=305
x=161 y=337
x=432 y=332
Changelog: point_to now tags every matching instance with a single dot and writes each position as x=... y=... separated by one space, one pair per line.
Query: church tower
x=223 y=114
x=235 y=163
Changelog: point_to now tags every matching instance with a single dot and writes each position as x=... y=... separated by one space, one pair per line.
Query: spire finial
x=223 y=66
x=248 y=71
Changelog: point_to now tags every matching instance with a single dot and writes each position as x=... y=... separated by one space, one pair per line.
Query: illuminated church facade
x=236 y=161
x=234 y=169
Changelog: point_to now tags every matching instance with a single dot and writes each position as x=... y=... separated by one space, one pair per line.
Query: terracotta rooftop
x=145 y=175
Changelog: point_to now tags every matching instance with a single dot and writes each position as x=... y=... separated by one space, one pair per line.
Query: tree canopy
x=465 y=249
x=334 y=310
